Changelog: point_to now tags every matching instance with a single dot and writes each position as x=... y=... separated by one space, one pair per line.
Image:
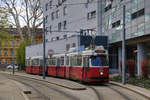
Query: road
x=46 y=91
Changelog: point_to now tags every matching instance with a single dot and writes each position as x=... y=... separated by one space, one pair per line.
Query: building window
x=116 y=24
x=57 y=14
x=12 y=42
x=67 y=47
x=50 y=4
x=46 y=19
x=89 y=1
x=5 y=61
x=5 y=52
x=36 y=42
x=65 y=36
x=52 y=39
x=5 y=44
x=63 y=1
x=59 y=2
x=12 y=52
x=52 y=16
x=46 y=6
x=73 y=44
x=46 y=30
x=59 y=26
x=65 y=24
x=65 y=10
x=108 y=7
x=57 y=38
x=50 y=29
x=17 y=42
x=138 y=14
x=91 y=15
x=12 y=61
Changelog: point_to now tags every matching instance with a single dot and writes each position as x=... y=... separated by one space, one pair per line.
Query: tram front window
x=99 y=60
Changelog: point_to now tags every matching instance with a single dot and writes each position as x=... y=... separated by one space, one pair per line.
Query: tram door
x=70 y=68
x=85 y=67
x=57 y=67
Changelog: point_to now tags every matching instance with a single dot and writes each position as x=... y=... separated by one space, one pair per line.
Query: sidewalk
x=9 y=90
x=142 y=91
x=57 y=81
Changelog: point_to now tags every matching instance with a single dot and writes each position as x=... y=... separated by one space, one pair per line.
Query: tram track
x=120 y=93
x=45 y=84
x=98 y=91
x=101 y=95
x=41 y=95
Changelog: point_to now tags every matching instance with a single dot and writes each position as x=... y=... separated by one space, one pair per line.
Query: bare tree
x=28 y=12
x=33 y=16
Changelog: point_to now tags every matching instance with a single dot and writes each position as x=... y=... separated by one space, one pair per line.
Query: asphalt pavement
x=9 y=90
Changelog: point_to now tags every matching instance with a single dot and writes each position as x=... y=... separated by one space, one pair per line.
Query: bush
x=130 y=67
x=144 y=68
x=21 y=55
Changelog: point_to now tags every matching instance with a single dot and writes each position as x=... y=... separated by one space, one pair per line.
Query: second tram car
x=87 y=65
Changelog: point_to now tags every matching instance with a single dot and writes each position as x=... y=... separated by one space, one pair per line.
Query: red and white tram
x=88 y=65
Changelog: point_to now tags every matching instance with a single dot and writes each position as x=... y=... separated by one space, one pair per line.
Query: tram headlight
x=101 y=73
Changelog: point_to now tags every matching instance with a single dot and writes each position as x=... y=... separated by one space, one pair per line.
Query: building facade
x=137 y=17
x=104 y=17
x=8 y=48
x=65 y=18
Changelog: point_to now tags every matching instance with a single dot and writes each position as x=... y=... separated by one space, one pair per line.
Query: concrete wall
x=57 y=46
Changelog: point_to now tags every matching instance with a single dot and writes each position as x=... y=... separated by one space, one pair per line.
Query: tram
x=90 y=65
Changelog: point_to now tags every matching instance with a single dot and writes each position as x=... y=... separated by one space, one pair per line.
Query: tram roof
x=36 y=57
x=59 y=55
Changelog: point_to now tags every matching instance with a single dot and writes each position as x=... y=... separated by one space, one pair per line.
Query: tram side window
x=73 y=61
x=35 y=62
x=62 y=61
x=77 y=61
x=51 y=61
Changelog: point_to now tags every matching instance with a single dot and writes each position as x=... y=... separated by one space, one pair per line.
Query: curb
x=55 y=83
x=133 y=90
x=25 y=96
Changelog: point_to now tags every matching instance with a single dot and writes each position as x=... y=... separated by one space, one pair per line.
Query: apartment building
x=8 y=48
x=65 y=18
